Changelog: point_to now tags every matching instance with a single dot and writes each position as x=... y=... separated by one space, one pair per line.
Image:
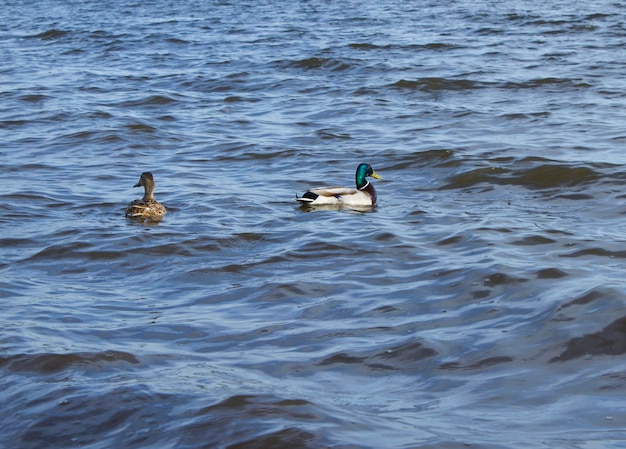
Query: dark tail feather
x=308 y=197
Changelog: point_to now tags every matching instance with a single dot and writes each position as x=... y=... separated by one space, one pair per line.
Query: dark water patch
x=585 y=312
x=440 y=46
x=178 y=41
x=559 y=232
x=329 y=134
x=576 y=196
x=539 y=177
x=365 y=46
x=70 y=417
x=479 y=295
x=141 y=127
x=480 y=364
x=490 y=31
x=13 y=123
x=611 y=341
x=75 y=251
x=82 y=136
x=51 y=34
x=485 y=175
x=34 y=98
x=10 y=242
x=613 y=382
x=315 y=250
x=407 y=356
x=587 y=298
x=570 y=83
x=437 y=84
x=453 y=240
x=28 y=197
x=251 y=152
x=152 y=100
x=341 y=358
x=53 y=363
x=497 y=279
x=527 y=116
x=534 y=240
x=597 y=16
x=596 y=252
x=74 y=52
x=330 y=64
x=433 y=46
x=550 y=273
x=291 y=291
x=253 y=421
x=546 y=176
x=281 y=439
x=384 y=309
x=259 y=405
x=240 y=99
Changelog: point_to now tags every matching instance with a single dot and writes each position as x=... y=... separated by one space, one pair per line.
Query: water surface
x=481 y=303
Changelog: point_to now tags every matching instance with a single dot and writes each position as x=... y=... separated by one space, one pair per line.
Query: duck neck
x=371 y=191
x=148 y=196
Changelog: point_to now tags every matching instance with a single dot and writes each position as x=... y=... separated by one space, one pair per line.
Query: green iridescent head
x=363 y=171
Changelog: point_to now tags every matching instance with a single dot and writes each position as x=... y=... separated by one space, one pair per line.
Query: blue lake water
x=481 y=304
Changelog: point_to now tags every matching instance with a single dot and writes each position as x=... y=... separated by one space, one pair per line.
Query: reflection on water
x=478 y=304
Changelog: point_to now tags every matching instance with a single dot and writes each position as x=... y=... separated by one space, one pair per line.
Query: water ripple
x=475 y=294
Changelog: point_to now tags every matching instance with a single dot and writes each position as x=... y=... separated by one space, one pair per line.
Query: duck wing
x=336 y=195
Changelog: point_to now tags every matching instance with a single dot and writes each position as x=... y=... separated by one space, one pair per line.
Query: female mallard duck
x=146 y=208
x=363 y=195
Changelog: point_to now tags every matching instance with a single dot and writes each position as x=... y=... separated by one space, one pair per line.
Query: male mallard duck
x=146 y=208
x=363 y=195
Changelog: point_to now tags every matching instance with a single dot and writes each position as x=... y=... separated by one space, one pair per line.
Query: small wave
x=430 y=46
x=540 y=177
x=611 y=340
x=327 y=134
x=331 y=64
x=75 y=251
x=550 y=273
x=597 y=251
x=140 y=127
x=587 y=298
x=408 y=353
x=50 y=34
x=543 y=82
x=556 y=176
x=484 y=363
x=496 y=279
x=527 y=116
x=53 y=363
x=33 y=98
x=238 y=407
x=402 y=357
x=434 y=84
x=534 y=240
x=437 y=84
x=152 y=100
x=484 y=175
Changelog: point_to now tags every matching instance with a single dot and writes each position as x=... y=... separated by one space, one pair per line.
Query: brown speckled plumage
x=147 y=208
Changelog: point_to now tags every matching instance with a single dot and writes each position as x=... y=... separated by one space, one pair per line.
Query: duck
x=363 y=195
x=147 y=208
